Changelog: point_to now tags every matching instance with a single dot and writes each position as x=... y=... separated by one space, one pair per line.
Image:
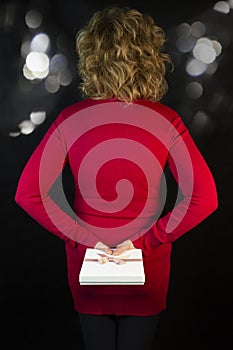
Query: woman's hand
x=104 y=247
x=126 y=245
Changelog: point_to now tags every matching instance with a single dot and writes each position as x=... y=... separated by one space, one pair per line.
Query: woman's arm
x=197 y=186
x=41 y=171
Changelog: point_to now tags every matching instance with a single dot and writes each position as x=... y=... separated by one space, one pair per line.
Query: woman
x=117 y=142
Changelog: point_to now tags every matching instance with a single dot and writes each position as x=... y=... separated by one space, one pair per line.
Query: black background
x=36 y=304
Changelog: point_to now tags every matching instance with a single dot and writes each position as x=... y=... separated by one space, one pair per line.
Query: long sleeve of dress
x=197 y=186
x=193 y=176
x=41 y=171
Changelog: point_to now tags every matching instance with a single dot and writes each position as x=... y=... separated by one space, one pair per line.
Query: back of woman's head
x=120 y=56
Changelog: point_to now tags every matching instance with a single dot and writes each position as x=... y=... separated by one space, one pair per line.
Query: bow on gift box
x=106 y=258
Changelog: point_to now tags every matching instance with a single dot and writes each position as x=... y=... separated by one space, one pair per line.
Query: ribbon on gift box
x=105 y=259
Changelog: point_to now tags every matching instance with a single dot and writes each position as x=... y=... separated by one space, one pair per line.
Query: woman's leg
x=99 y=331
x=136 y=332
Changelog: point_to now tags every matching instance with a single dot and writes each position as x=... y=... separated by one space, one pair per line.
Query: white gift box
x=130 y=271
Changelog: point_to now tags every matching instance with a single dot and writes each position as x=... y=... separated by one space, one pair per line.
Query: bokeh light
x=26 y=127
x=28 y=73
x=51 y=84
x=58 y=63
x=222 y=6
x=230 y=3
x=217 y=47
x=194 y=89
x=14 y=133
x=198 y=29
x=38 y=117
x=64 y=77
x=207 y=50
x=185 y=44
x=40 y=43
x=25 y=48
x=183 y=29
x=211 y=69
x=200 y=123
x=195 y=67
x=33 y=19
x=204 y=52
x=37 y=61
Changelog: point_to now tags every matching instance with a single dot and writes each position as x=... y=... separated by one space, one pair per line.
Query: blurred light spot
x=216 y=101
x=200 y=118
x=194 y=89
x=37 y=61
x=183 y=29
x=211 y=69
x=217 y=47
x=32 y=75
x=222 y=6
x=25 y=48
x=195 y=67
x=199 y=122
x=64 y=77
x=58 y=63
x=40 y=43
x=207 y=50
x=204 y=41
x=28 y=73
x=33 y=19
x=14 y=133
x=41 y=75
x=38 y=117
x=204 y=52
x=230 y=2
x=26 y=127
x=51 y=84
x=198 y=29
x=185 y=44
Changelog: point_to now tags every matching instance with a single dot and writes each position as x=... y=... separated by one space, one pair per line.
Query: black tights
x=112 y=332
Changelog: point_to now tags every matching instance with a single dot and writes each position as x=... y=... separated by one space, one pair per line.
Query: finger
x=127 y=242
x=103 y=260
x=108 y=250
x=120 y=250
x=104 y=247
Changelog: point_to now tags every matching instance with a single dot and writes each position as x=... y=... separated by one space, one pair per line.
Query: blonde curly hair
x=120 y=56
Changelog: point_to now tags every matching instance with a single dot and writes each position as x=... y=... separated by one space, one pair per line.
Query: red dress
x=105 y=142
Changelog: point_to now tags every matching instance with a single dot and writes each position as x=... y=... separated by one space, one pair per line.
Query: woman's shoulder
x=75 y=107
x=165 y=110
x=82 y=104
